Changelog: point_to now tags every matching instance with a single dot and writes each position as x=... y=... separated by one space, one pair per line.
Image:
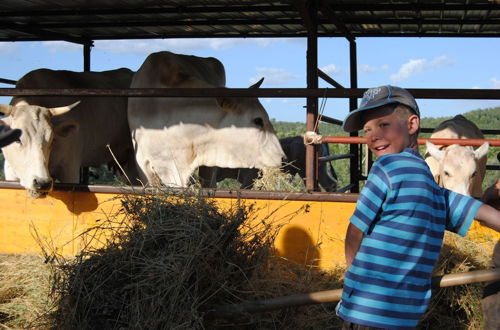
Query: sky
x=405 y=62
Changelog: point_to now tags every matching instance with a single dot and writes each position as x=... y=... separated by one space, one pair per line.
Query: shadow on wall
x=76 y=202
x=299 y=247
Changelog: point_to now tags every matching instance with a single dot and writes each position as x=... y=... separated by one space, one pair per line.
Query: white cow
x=56 y=141
x=295 y=163
x=455 y=167
x=174 y=136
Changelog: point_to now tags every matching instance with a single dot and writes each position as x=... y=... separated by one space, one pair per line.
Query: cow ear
x=227 y=104
x=434 y=151
x=482 y=150
x=258 y=83
x=62 y=110
x=6 y=109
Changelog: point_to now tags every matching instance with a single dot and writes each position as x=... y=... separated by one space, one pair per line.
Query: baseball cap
x=375 y=98
x=7 y=135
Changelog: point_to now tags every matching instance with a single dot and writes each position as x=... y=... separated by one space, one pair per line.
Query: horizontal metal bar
x=424 y=93
x=222 y=193
x=421 y=141
x=334 y=157
x=493 y=167
x=322 y=33
x=484 y=131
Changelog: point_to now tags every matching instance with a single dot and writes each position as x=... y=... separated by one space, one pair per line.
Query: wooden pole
x=331 y=296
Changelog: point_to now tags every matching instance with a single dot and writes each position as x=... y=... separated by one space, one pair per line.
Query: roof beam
x=303 y=10
x=147 y=10
x=329 y=12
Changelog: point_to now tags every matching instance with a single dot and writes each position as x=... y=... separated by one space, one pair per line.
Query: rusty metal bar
x=309 y=14
x=334 y=157
x=8 y=81
x=331 y=296
x=215 y=193
x=484 y=94
x=330 y=120
x=355 y=161
x=421 y=141
x=329 y=79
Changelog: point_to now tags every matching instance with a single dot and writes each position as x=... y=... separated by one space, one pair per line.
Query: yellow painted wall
x=313 y=233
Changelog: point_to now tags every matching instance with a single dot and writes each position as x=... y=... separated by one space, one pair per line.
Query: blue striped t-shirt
x=403 y=214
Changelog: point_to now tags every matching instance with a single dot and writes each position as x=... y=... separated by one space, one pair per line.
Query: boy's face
x=386 y=132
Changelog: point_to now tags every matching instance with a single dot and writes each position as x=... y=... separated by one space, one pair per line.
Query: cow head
x=245 y=135
x=459 y=166
x=28 y=159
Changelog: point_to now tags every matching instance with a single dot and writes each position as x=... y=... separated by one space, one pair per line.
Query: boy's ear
x=413 y=124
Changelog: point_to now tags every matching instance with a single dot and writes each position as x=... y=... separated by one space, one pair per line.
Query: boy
x=395 y=234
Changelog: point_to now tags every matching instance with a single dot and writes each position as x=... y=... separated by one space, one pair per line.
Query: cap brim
x=352 y=122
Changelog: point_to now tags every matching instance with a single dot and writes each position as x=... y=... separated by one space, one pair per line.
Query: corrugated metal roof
x=83 y=20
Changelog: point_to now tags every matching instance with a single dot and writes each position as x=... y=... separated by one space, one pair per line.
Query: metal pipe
x=421 y=141
x=330 y=296
x=8 y=81
x=463 y=94
x=334 y=157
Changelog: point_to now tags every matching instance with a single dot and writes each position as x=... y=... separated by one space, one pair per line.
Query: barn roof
x=82 y=21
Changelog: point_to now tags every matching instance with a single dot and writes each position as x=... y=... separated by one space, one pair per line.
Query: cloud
x=56 y=46
x=416 y=66
x=273 y=76
x=366 y=68
x=331 y=70
x=495 y=82
x=144 y=47
x=7 y=47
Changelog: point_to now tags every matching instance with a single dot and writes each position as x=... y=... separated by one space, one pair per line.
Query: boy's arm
x=489 y=217
x=353 y=238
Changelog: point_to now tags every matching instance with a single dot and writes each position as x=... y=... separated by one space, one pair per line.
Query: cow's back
x=458 y=127
x=101 y=120
x=166 y=69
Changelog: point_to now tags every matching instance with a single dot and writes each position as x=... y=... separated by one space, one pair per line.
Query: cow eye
x=446 y=173
x=259 y=122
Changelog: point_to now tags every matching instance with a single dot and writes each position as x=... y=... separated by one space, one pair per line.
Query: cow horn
x=6 y=109
x=62 y=110
x=258 y=83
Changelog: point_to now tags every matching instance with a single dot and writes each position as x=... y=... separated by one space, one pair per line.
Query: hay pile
x=274 y=179
x=24 y=288
x=458 y=307
x=164 y=266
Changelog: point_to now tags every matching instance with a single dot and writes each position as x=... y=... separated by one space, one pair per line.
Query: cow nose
x=42 y=184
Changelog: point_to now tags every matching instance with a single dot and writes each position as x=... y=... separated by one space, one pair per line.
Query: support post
x=354 y=149
x=312 y=102
x=84 y=171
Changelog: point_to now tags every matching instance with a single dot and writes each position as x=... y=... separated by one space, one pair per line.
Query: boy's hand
x=492 y=195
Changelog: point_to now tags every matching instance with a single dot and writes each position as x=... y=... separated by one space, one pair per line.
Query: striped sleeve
x=461 y=211
x=371 y=198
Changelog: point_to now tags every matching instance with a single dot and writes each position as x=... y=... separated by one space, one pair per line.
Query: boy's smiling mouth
x=380 y=148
